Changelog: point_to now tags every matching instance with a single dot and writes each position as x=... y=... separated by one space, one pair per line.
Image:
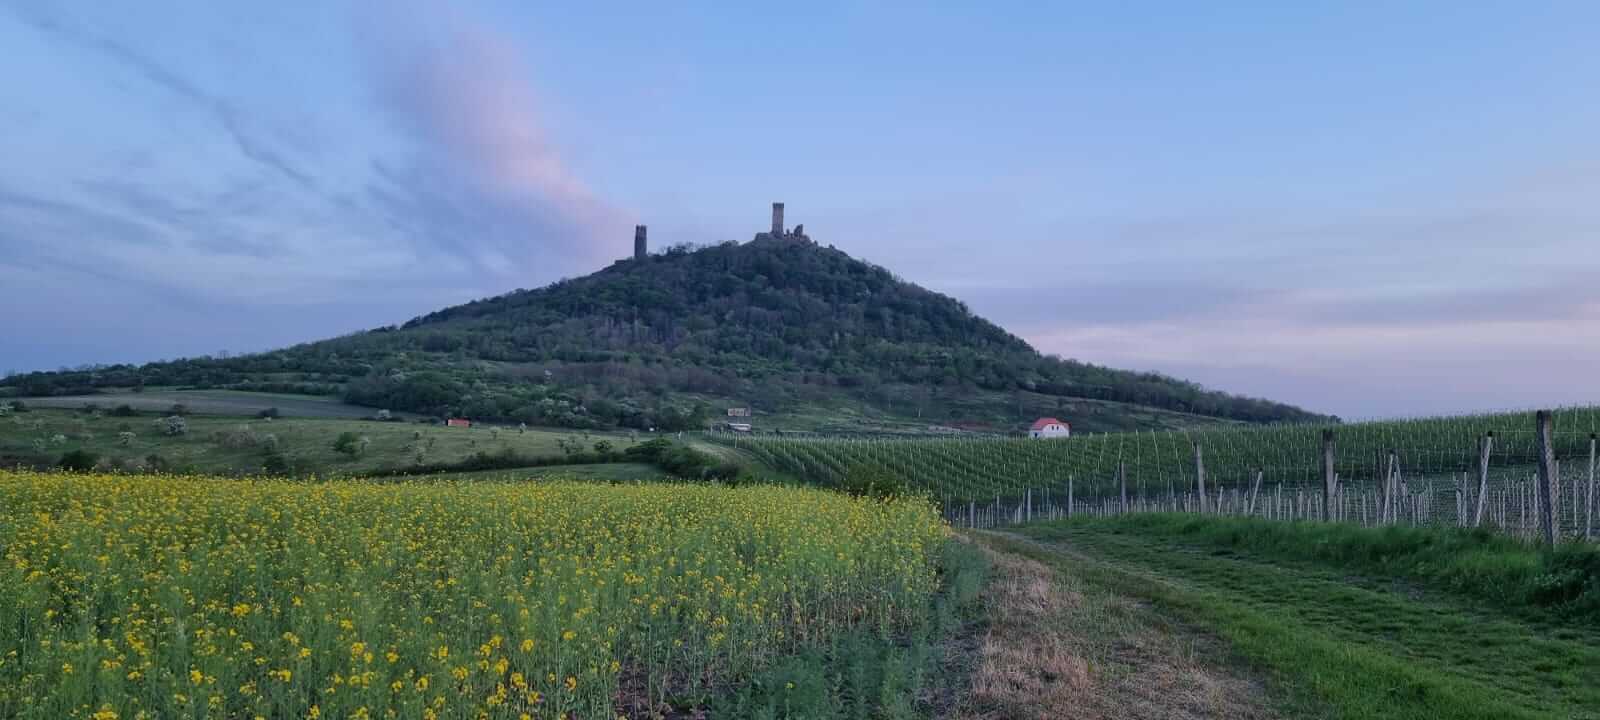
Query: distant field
x=216 y=444
x=618 y=472
x=214 y=402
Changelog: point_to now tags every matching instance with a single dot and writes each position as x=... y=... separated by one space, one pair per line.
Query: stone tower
x=777 y=219
x=640 y=247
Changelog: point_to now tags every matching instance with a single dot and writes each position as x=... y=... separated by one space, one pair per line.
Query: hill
x=781 y=325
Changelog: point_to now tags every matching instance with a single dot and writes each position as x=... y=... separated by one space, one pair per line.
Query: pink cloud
x=467 y=93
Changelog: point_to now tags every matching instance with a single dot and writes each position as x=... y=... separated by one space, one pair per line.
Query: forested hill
x=669 y=340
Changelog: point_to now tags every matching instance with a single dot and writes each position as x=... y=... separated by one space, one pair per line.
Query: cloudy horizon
x=1365 y=211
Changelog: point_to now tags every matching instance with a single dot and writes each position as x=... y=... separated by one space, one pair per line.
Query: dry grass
x=1054 y=648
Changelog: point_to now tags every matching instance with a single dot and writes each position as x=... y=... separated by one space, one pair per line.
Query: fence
x=1545 y=499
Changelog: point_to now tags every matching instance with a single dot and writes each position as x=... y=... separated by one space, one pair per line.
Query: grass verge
x=1343 y=645
x=1473 y=563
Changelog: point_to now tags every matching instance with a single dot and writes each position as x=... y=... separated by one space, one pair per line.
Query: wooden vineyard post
x=1069 y=496
x=1485 y=447
x=1547 y=461
x=1255 y=490
x=1200 y=477
x=1327 y=476
x=1122 y=479
x=1588 y=521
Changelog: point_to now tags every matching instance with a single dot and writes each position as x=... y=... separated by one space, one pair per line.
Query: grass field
x=606 y=472
x=155 y=596
x=214 y=402
x=1366 y=631
x=235 y=445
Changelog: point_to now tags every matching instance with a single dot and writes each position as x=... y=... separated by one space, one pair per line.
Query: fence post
x=1200 y=477
x=1547 y=462
x=1327 y=475
x=1122 y=479
x=1588 y=521
x=1485 y=447
x=1069 y=497
x=1255 y=490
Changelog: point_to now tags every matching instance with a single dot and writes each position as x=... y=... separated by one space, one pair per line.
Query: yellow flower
x=572 y=683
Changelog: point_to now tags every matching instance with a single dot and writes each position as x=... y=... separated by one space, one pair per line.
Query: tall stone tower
x=777 y=220
x=640 y=247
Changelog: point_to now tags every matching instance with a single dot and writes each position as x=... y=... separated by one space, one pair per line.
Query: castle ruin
x=777 y=233
x=640 y=247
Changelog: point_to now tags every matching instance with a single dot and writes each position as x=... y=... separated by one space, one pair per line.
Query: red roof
x=1042 y=422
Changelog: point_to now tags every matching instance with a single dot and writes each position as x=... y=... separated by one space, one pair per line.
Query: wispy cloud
x=230 y=118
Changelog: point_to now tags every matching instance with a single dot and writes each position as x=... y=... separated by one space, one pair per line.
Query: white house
x=1049 y=428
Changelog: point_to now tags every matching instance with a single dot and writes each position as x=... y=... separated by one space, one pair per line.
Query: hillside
x=781 y=325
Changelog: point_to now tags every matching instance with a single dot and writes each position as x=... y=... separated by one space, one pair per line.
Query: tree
x=603 y=447
x=178 y=409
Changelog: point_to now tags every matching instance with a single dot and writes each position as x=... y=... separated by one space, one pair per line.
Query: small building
x=1049 y=427
x=738 y=412
x=457 y=422
x=740 y=427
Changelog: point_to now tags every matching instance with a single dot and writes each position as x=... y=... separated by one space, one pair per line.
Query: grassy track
x=1343 y=645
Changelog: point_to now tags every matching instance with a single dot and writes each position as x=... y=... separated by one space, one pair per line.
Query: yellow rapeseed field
x=163 y=597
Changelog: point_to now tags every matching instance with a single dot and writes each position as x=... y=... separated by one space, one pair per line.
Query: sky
x=1364 y=208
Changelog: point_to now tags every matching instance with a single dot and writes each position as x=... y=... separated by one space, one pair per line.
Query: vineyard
x=1418 y=471
x=159 y=597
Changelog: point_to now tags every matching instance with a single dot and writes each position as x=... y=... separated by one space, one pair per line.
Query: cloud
x=464 y=93
x=235 y=122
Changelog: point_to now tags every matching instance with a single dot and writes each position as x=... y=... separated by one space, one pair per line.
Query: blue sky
x=1371 y=209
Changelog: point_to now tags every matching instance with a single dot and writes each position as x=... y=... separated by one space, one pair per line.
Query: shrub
x=19 y=406
x=242 y=436
x=173 y=425
x=351 y=444
x=276 y=464
x=124 y=410
x=125 y=438
x=873 y=481
x=268 y=413
x=78 y=460
x=156 y=463
x=384 y=416
x=178 y=409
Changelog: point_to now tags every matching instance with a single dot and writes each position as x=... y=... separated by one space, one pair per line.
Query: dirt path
x=1056 y=645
